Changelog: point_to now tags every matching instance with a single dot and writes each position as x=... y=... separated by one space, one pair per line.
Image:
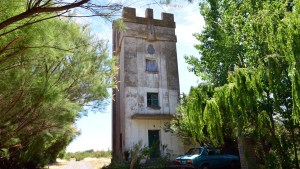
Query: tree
x=190 y=121
x=49 y=71
x=249 y=52
x=28 y=12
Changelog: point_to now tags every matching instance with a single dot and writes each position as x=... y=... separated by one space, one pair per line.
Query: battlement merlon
x=129 y=15
x=144 y=28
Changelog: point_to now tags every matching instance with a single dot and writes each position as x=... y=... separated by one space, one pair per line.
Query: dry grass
x=98 y=162
x=60 y=163
x=95 y=163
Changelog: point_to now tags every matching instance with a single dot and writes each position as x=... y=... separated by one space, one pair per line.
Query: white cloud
x=185 y=34
x=189 y=21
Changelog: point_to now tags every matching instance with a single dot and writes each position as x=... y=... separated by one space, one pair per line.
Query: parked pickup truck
x=207 y=158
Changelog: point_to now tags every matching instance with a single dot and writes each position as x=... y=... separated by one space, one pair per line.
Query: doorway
x=154 y=143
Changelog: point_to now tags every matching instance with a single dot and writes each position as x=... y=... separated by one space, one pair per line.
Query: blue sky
x=96 y=127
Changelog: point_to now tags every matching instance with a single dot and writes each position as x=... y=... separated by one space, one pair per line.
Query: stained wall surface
x=145 y=39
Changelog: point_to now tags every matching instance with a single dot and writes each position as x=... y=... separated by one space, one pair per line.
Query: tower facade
x=148 y=88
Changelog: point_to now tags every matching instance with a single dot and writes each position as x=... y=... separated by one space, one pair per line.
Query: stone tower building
x=148 y=88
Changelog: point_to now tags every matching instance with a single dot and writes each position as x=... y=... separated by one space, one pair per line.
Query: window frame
x=152 y=100
x=147 y=66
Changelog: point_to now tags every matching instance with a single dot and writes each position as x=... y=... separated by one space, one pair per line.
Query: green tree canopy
x=250 y=53
x=49 y=71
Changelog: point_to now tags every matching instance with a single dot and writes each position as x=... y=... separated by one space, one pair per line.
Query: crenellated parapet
x=146 y=27
x=129 y=15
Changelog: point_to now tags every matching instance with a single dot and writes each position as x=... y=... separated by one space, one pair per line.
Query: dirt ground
x=88 y=163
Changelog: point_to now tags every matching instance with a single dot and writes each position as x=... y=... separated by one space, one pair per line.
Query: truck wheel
x=205 y=166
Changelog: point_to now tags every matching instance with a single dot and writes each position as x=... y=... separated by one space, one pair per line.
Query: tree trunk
x=295 y=149
x=247 y=153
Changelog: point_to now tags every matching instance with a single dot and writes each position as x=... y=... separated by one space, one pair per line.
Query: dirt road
x=88 y=163
x=78 y=165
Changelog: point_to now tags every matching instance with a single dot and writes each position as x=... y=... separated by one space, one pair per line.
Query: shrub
x=118 y=165
x=88 y=153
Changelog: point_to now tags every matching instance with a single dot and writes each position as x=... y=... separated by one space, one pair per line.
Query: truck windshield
x=194 y=151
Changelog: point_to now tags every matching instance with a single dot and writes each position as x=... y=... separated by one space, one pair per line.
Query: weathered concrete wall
x=136 y=101
x=139 y=131
x=134 y=117
x=138 y=81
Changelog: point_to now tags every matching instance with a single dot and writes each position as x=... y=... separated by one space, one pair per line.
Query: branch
x=37 y=10
x=71 y=50
x=2 y=60
x=36 y=4
x=30 y=23
x=9 y=67
x=9 y=45
x=46 y=3
x=51 y=47
x=14 y=102
x=81 y=16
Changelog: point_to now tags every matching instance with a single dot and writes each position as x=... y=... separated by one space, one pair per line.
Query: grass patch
x=88 y=153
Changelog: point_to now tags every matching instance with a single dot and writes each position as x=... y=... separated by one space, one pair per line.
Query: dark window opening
x=151 y=65
x=152 y=99
x=121 y=147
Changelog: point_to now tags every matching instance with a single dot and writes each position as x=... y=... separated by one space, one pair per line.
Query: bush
x=118 y=165
x=136 y=154
x=88 y=153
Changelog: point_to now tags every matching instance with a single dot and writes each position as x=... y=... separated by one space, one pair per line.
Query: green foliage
x=191 y=121
x=118 y=165
x=250 y=54
x=119 y=25
x=137 y=153
x=161 y=162
x=89 y=153
x=49 y=71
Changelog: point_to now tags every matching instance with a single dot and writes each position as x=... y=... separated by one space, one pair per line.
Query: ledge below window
x=153 y=107
x=152 y=116
x=151 y=72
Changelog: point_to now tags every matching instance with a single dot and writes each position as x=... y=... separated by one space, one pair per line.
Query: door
x=154 y=143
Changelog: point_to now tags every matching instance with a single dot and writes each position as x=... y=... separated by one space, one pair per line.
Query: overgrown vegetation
x=88 y=153
x=138 y=153
x=50 y=69
x=250 y=61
